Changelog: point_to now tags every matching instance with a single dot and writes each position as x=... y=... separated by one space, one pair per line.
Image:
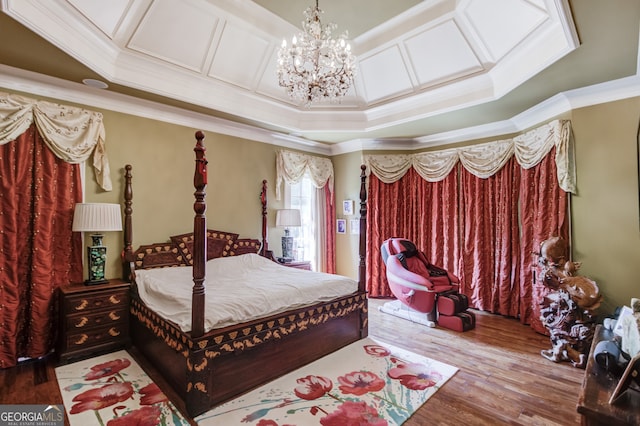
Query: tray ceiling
x=416 y=59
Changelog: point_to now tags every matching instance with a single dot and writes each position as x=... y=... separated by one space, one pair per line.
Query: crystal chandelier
x=316 y=67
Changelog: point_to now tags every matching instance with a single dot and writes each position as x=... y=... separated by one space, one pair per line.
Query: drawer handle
x=82 y=322
x=114 y=316
x=114 y=332
x=82 y=339
x=82 y=305
x=113 y=299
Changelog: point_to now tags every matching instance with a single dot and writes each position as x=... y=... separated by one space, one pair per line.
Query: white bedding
x=238 y=289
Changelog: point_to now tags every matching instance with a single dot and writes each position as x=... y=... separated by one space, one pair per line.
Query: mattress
x=238 y=289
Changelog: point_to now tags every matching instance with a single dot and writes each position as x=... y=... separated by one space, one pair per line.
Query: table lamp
x=287 y=218
x=96 y=218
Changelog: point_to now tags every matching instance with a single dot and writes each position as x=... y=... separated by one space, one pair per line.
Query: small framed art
x=354 y=224
x=341 y=226
x=347 y=207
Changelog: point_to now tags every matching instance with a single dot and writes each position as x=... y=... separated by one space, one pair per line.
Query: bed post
x=199 y=239
x=127 y=251
x=264 y=250
x=362 y=272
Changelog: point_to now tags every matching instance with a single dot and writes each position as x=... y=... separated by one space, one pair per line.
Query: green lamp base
x=97 y=256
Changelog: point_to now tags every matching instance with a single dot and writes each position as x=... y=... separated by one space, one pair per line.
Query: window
x=302 y=196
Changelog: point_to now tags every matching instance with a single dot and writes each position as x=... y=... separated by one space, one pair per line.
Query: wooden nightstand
x=93 y=319
x=299 y=264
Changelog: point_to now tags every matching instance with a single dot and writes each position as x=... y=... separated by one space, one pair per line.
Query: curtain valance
x=291 y=167
x=73 y=134
x=484 y=160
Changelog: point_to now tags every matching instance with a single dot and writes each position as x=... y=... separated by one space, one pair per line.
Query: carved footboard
x=224 y=363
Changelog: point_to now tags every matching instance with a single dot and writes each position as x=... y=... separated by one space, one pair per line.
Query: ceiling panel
x=239 y=66
x=441 y=53
x=107 y=20
x=502 y=24
x=268 y=84
x=384 y=74
x=178 y=35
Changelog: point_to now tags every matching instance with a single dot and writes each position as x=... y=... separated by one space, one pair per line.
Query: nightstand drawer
x=90 y=320
x=96 y=337
x=93 y=301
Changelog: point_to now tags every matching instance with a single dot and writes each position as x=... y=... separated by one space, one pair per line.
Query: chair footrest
x=452 y=303
x=462 y=321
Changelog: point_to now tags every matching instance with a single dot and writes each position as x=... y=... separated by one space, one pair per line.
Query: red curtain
x=423 y=212
x=330 y=215
x=491 y=240
x=482 y=230
x=544 y=211
x=39 y=252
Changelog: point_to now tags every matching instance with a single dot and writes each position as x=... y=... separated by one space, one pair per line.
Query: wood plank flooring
x=503 y=379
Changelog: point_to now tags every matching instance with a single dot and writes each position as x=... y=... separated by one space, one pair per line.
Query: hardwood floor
x=503 y=379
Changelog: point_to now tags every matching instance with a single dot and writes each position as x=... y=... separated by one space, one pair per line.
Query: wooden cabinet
x=299 y=264
x=92 y=319
x=597 y=387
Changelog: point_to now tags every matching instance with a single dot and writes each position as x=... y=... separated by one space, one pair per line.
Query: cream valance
x=291 y=167
x=73 y=134
x=483 y=160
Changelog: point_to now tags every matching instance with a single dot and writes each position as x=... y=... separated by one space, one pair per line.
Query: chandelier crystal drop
x=316 y=67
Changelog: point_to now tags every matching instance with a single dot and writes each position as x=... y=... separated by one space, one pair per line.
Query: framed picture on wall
x=347 y=207
x=354 y=224
x=341 y=226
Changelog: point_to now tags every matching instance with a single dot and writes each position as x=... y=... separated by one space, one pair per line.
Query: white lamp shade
x=97 y=217
x=288 y=217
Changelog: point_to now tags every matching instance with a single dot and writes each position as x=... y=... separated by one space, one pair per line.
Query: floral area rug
x=113 y=390
x=365 y=383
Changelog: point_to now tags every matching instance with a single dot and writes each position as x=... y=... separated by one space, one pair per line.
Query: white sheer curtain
x=484 y=160
x=73 y=134
x=290 y=168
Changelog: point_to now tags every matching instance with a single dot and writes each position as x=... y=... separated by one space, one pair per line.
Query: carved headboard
x=178 y=251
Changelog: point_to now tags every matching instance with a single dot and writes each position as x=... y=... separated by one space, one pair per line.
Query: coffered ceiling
x=426 y=69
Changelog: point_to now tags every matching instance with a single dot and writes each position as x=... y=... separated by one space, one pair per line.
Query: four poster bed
x=210 y=360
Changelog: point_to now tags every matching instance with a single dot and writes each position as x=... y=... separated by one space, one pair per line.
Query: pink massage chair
x=425 y=293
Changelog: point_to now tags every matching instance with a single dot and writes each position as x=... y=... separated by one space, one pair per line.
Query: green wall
x=347 y=187
x=606 y=221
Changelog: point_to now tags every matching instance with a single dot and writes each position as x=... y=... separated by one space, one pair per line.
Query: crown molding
x=38 y=84
x=562 y=103
x=558 y=105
